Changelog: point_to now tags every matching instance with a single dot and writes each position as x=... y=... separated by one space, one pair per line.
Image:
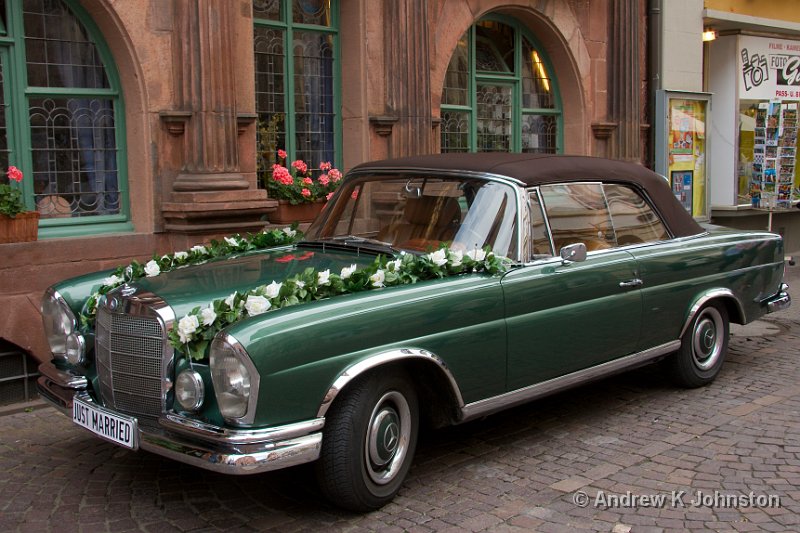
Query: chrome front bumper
x=229 y=451
x=780 y=301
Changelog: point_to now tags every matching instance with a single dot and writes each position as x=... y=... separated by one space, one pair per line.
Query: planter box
x=287 y=213
x=22 y=228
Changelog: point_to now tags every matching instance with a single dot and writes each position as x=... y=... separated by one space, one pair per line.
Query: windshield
x=420 y=213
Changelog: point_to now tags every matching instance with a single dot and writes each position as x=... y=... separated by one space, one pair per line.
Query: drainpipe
x=655 y=44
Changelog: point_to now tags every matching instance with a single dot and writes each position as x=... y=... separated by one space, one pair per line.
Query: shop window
x=499 y=94
x=62 y=117
x=296 y=81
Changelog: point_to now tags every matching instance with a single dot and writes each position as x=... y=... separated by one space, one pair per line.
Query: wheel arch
x=432 y=379
x=724 y=296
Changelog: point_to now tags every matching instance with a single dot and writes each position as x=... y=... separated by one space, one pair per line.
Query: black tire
x=703 y=347
x=368 y=443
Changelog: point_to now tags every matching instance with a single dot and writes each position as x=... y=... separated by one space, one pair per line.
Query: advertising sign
x=769 y=69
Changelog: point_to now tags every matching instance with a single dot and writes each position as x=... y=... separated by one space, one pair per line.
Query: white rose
x=439 y=257
x=300 y=284
x=378 y=278
x=456 y=257
x=476 y=254
x=186 y=326
x=232 y=241
x=113 y=280
x=290 y=232
x=229 y=300
x=323 y=278
x=394 y=266
x=152 y=269
x=256 y=305
x=208 y=316
x=199 y=249
x=347 y=271
x=273 y=289
x=181 y=255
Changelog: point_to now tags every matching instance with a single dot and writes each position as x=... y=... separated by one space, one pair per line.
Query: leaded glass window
x=62 y=129
x=498 y=93
x=296 y=71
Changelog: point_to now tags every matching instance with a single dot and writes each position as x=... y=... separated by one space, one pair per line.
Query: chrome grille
x=129 y=351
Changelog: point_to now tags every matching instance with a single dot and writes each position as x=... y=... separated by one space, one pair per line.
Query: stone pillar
x=209 y=193
x=408 y=85
x=624 y=77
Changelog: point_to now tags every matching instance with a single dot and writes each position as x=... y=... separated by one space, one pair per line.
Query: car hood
x=186 y=288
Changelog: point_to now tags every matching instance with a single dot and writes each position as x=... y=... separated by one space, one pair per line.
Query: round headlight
x=189 y=390
x=232 y=378
x=60 y=328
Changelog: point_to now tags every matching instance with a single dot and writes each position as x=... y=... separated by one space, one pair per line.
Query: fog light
x=75 y=349
x=189 y=390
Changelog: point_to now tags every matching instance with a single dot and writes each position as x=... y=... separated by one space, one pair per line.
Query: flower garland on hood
x=195 y=255
x=194 y=332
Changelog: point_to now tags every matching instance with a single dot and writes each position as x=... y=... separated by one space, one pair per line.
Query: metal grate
x=129 y=350
x=17 y=375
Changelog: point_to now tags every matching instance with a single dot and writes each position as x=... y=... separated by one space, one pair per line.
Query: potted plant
x=300 y=196
x=16 y=223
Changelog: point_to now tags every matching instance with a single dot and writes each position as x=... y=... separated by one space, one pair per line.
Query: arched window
x=62 y=120
x=297 y=89
x=499 y=94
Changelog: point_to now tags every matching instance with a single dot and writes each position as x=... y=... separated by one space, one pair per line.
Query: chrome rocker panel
x=228 y=451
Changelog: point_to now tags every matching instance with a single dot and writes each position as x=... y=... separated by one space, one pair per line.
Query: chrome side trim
x=707 y=297
x=359 y=368
x=64 y=378
x=236 y=436
x=488 y=406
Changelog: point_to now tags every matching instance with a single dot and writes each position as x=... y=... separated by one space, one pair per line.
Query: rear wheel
x=703 y=347
x=369 y=441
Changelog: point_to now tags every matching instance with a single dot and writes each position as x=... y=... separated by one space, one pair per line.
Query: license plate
x=121 y=430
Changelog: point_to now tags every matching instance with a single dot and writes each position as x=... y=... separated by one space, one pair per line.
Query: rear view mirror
x=574 y=253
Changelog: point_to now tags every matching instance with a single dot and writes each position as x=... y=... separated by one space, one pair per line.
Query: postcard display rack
x=774 y=154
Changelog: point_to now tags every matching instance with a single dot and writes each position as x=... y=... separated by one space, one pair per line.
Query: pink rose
x=306 y=193
x=325 y=166
x=324 y=180
x=300 y=166
x=282 y=154
x=308 y=181
x=14 y=174
x=335 y=175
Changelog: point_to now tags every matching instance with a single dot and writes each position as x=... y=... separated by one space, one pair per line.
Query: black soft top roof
x=540 y=169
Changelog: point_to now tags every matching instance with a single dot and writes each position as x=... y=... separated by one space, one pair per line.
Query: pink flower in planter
x=308 y=181
x=305 y=192
x=328 y=196
x=300 y=166
x=281 y=175
x=14 y=174
x=325 y=166
x=335 y=175
x=282 y=154
x=324 y=180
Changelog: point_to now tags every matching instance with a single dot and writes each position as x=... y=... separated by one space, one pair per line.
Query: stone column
x=408 y=85
x=209 y=192
x=624 y=78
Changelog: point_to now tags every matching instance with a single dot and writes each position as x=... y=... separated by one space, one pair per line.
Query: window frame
x=515 y=79
x=288 y=27
x=18 y=95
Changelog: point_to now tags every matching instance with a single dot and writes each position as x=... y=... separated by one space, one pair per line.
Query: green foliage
x=11 y=203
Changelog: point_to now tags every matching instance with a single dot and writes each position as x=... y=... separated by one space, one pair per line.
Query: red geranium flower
x=14 y=174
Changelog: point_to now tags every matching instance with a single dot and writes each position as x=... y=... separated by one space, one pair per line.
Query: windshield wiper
x=360 y=242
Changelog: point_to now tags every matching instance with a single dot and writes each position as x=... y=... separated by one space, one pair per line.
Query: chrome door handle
x=635 y=282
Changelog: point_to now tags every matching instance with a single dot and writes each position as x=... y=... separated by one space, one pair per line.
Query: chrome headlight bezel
x=225 y=349
x=61 y=329
x=191 y=381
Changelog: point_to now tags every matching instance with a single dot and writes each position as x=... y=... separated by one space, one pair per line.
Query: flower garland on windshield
x=195 y=255
x=194 y=332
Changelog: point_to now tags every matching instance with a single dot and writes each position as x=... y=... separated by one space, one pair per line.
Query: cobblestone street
x=595 y=458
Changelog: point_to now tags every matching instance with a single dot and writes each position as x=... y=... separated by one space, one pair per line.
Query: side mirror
x=574 y=253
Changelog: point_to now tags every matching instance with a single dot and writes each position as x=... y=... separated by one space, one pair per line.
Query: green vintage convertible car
x=434 y=289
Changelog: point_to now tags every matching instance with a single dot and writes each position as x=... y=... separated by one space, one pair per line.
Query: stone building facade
x=190 y=85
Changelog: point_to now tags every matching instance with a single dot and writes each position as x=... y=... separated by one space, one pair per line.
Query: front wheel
x=703 y=347
x=369 y=441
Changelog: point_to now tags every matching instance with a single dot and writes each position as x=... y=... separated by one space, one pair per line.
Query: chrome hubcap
x=707 y=339
x=387 y=438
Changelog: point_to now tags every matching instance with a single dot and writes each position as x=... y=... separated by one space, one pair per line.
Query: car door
x=566 y=316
